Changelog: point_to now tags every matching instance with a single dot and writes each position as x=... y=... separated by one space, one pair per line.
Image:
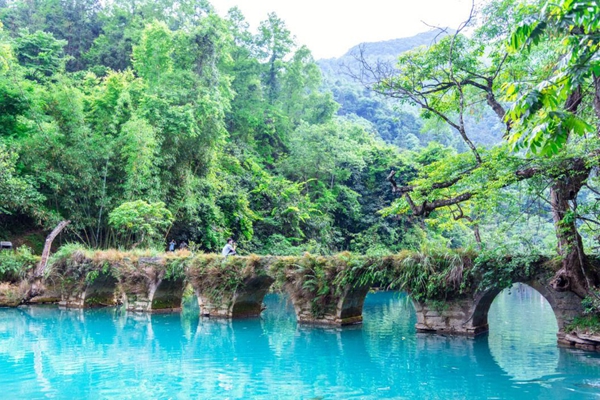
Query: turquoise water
x=51 y=353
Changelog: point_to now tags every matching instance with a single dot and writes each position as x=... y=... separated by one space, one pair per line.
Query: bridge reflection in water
x=109 y=353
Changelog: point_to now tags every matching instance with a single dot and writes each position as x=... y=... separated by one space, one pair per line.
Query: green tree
x=551 y=110
x=274 y=42
x=446 y=79
x=17 y=194
x=74 y=22
x=140 y=223
x=41 y=54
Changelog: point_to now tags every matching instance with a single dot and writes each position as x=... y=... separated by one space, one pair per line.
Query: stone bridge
x=323 y=290
x=469 y=316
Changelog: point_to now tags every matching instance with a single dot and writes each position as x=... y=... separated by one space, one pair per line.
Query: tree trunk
x=36 y=286
x=46 y=253
x=597 y=98
x=575 y=273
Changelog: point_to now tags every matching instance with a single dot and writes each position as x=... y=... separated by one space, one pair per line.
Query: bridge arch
x=167 y=295
x=469 y=315
x=565 y=305
x=102 y=292
x=248 y=299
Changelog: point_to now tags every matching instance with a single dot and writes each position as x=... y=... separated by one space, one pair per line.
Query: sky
x=331 y=27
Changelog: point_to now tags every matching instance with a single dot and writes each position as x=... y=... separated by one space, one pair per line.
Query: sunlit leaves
x=152 y=57
x=543 y=122
x=142 y=222
x=139 y=151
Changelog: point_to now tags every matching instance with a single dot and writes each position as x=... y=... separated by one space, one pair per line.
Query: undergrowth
x=16 y=265
x=589 y=324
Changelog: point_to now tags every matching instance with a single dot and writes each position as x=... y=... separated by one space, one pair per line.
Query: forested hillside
x=142 y=122
x=397 y=123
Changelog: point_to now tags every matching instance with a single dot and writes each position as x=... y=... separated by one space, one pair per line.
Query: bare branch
x=47 y=245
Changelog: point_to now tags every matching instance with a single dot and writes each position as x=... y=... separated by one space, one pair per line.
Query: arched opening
x=352 y=305
x=168 y=295
x=101 y=292
x=278 y=307
x=522 y=333
x=248 y=299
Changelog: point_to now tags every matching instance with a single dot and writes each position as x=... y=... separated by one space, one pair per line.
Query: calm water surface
x=97 y=354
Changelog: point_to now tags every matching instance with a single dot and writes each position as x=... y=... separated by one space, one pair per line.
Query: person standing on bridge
x=229 y=249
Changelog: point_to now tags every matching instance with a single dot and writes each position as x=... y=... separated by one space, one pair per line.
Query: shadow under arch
x=565 y=305
x=101 y=292
x=168 y=295
x=248 y=299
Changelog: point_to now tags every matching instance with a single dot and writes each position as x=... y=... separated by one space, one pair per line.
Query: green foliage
x=16 y=265
x=141 y=222
x=152 y=56
x=429 y=275
x=168 y=102
x=16 y=192
x=589 y=324
x=41 y=54
x=175 y=267
x=498 y=270
x=591 y=303
x=228 y=133
x=542 y=123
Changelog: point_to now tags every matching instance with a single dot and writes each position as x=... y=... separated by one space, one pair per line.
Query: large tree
x=547 y=87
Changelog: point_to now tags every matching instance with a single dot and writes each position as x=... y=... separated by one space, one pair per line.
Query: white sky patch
x=330 y=27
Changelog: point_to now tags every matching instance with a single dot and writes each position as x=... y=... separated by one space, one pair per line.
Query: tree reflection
x=522 y=334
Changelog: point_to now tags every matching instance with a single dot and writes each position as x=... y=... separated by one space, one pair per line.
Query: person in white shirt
x=229 y=249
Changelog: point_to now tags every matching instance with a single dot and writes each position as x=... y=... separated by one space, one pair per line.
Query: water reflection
x=522 y=336
x=46 y=352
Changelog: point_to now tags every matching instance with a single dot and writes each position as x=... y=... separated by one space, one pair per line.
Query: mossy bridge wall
x=451 y=294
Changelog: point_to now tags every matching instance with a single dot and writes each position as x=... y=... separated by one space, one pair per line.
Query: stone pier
x=147 y=290
x=345 y=309
x=245 y=302
x=450 y=317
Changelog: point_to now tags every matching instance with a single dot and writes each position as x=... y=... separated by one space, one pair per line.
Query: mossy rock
x=10 y=295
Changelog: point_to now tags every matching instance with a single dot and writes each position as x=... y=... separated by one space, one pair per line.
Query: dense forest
x=142 y=122
x=147 y=121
